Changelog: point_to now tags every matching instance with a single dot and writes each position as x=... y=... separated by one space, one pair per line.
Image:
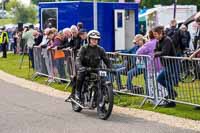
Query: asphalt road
x=25 y=111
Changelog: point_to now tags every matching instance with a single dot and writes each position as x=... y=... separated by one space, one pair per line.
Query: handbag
x=58 y=54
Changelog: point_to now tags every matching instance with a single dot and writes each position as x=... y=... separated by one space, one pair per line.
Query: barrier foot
x=34 y=76
x=68 y=84
x=48 y=83
x=116 y=94
x=157 y=104
x=143 y=102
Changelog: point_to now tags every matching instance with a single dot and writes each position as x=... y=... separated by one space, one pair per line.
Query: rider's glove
x=82 y=69
x=89 y=69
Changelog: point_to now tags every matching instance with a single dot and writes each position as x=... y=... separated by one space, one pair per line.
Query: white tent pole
x=95 y=14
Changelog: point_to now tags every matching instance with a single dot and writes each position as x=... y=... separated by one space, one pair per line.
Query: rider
x=90 y=55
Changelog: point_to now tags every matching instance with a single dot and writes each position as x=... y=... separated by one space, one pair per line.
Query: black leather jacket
x=164 y=47
x=89 y=56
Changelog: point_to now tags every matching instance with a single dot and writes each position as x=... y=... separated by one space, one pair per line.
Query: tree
x=22 y=13
x=11 y=4
x=25 y=14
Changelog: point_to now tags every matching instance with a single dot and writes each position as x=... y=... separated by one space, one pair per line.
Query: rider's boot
x=78 y=96
x=78 y=91
x=68 y=99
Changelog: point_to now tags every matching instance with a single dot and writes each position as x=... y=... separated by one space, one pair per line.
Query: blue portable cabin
x=117 y=22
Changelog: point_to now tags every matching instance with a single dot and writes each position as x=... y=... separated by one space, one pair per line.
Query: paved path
x=26 y=111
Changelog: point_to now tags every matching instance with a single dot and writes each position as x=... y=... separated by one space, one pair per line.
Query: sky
x=26 y=2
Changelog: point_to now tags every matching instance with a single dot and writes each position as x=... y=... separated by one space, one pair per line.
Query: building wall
x=106 y=22
x=67 y=13
x=73 y=12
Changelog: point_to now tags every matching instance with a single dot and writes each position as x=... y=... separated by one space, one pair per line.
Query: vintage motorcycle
x=96 y=92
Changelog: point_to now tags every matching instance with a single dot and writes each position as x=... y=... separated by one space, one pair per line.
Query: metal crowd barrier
x=160 y=80
x=134 y=75
x=181 y=80
x=39 y=62
x=57 y=70
x=157 y=80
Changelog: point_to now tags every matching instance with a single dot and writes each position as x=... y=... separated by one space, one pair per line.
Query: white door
x=119 y=30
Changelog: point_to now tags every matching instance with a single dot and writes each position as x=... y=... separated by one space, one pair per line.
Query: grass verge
x=11 y=66
x=6 y=21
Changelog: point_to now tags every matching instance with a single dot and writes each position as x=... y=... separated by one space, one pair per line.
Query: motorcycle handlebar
x=100 y=69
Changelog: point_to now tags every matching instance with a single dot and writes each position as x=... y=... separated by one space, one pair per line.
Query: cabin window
x=119 y=20
x=49 y=18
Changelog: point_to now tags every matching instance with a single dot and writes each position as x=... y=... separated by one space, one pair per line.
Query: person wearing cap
x=138 y=41
x=134 y=70
x=83 y=36
x=89 y=55
x=79 y=25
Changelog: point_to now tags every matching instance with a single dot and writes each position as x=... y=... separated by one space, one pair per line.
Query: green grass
x=11 y=65
x=6 y=21
x=181 y=110
x=187 y=92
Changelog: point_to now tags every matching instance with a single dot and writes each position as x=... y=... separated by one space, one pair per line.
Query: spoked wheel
x=105 y=104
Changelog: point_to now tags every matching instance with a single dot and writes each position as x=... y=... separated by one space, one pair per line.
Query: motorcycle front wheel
x=105 y=102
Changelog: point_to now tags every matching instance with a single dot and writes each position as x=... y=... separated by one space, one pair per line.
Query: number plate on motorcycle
x=103 y=73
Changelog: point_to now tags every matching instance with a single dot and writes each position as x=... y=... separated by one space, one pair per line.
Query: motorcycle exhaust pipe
x=74 y=101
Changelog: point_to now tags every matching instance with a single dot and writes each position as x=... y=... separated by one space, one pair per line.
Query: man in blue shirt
x=129 y=63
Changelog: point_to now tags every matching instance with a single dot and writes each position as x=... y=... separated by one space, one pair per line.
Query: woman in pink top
x=148 y=49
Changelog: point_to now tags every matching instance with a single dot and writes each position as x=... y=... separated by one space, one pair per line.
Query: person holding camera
x=28 y=36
